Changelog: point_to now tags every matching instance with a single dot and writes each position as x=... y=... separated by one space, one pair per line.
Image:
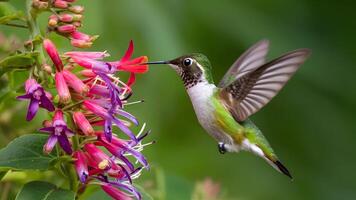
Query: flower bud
x=47 y=68
x=84 y=125
x=60 y=4
x=47 y=123
x=77 y=24
x=68 y=28
x=40 y=5
x=52 y=21
x=81 y=43
x=76 y=9
x=53 y=54
x=74 y=82
x=62 y=88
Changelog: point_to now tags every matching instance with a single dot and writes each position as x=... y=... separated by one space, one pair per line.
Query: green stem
x=35 y=32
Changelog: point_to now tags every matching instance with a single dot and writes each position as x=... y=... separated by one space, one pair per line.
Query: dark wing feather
x=251 y=59
x=252 y=91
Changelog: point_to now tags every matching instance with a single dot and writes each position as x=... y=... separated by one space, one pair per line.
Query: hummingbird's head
x=192 y=68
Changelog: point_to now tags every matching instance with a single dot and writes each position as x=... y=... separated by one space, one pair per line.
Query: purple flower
x=59 y=132
x=110 y=118
x=38 y=98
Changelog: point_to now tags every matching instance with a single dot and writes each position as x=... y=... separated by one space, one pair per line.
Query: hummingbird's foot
x=221 y=147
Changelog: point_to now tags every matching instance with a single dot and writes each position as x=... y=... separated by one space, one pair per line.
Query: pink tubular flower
x=98 y=158
x=53 y=54
x=74 y=82
x=114 y=192
x=81 y=166
x=62 y=88
x=96 y=55
x=81 y=121
x=68 y=28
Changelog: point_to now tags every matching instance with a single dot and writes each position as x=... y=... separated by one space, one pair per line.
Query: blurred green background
x=310 y=124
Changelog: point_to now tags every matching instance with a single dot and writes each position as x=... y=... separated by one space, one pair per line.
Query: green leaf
x=145 y=195
x=25 y=152
x=8 y=13
x=19 y=61
x=2 y=174
x=44 y=191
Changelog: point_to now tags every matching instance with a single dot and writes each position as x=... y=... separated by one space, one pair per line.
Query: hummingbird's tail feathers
x=276 y=164
x=282 y=169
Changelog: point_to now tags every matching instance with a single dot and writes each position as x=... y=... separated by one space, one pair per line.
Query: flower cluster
x=65 y=20
x=90 y=95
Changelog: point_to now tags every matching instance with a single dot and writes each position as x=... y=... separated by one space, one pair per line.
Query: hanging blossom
x=96 y=98
x=88 y=102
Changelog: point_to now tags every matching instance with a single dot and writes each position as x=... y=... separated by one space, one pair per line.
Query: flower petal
x=32 y=109
x=124 y=129
x=51 y=142
x=46 y=103
x=24 y=97
x=128 y=116
x=64 y=143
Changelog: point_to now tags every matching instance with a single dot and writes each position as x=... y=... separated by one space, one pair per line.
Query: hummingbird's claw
x=221 y=147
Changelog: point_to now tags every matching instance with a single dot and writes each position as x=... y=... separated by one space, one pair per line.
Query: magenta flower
x=62 y=88
x=74 y=82
x=59 y=132
x=53 y=54
x=110 y=118
x=81 y=165
x=38 y=98
x=114 y=192
x=82 y=122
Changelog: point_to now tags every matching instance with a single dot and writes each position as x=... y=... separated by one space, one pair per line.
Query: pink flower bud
x=53 y=54
x=81 y=43
x=79 y=36
x=68 y=28
x=74 y=82
x=52 y=21
x=66 y=17
x=60 y=4
x=81 y=121
x=58 y=115
x=76 y=9
x=62 y=88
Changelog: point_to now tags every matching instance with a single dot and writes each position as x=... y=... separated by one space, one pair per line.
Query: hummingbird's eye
x=187 y=62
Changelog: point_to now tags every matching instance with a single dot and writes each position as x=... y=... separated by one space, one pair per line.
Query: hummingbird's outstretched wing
x=251 y=59
x=250 y=92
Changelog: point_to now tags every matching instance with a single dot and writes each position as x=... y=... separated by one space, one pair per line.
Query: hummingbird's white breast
x=200 y=96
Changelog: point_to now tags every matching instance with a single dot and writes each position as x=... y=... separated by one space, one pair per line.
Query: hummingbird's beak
x=156 y=63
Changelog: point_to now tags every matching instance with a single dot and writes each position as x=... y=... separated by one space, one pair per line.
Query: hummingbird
x=249 y=84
